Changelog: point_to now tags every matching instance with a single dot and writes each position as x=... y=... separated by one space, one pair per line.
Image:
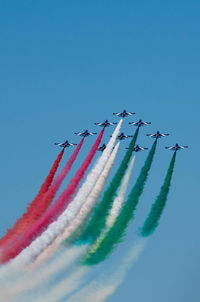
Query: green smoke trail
x=100 y=250
x=98 y=220
x=153 y=218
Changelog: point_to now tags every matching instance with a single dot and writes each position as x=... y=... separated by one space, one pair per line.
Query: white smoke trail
x=72 y=282
x=117 y=205
x=28 y=280
x=83 y=212
x=101 y=289
x=96 y=293
x=119 y=200
x=57 y=227
x=64 y=287
x=9 y=272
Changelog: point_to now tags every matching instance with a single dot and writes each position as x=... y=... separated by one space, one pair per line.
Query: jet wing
x=58 y=144
x=150 y=135
x=170 y=148
x=92 y=133
x=130 y=113
x=146 y=123
x=164 y=134
x=72 y=144
x=183 y=147
x=99 y=124
x=78 y=133
x=112 y=124
x=117 y=113
x=133 y=123
x=144 y=149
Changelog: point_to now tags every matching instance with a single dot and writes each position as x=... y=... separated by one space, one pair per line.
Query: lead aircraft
x=124 y=113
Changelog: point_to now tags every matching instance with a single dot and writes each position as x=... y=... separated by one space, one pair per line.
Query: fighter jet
x=65 y=144
x=102 y=148
x=140 y=123
x=124 y=113
x=176 y=147
x=105 y=124
x=157 y=135
x=85 y=133
x=137 y=148
x=122 y=136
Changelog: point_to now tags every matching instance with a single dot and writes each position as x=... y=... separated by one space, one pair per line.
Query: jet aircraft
x=65 y=144
x=105 y=124
x=124 y=113
x=122 y=136
x=85 y=133
x=157 y=135
x=140 y=123
x=137 y=148
x=176 y=147
x=102 y=148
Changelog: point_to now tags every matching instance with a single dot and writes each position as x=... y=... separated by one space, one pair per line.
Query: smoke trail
x=100 y=289
x=114 y=212
x=53 y=212
x=30 y=280
x=98 y=220
x=64 y=287
x=75 y=226
x=119 y=200
x=16 y=229
x=57 y=227
x=44 y=202
x=79 y=223
x=153 y=218
x=114 y=236
x=93 y=292
x=49 y=196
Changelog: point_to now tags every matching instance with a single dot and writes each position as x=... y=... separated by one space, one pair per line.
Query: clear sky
x=67 y=64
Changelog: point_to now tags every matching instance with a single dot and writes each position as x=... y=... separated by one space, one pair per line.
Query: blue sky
x=68 y=64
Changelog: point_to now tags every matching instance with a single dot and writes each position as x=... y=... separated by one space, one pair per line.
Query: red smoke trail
x=37 y=209
x=44 y=188
x=49 y=196
x=52 y=213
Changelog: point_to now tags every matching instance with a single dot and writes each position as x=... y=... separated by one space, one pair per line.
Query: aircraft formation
x=122 y=136
x=76 y=220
